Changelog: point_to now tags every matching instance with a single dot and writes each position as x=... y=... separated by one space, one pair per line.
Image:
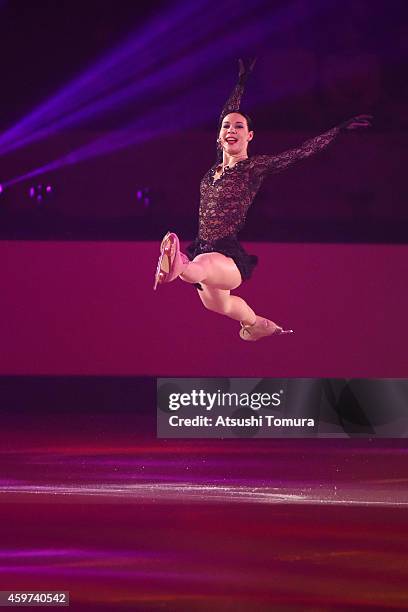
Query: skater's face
x=234 y=135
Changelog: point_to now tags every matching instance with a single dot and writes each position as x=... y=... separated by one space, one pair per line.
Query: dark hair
x=249 y=121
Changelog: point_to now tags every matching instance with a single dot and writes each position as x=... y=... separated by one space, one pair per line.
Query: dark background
x=324 y=63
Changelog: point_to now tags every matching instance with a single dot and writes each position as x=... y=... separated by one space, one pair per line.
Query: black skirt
x=230 y=247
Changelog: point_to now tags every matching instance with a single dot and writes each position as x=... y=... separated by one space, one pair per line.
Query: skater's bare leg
x=214 y=270
x=222 y=302
x=217 y=275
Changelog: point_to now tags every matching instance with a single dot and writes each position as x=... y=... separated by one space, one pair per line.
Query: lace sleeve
x=272 y=164
x=232 y=104
x=234 y=101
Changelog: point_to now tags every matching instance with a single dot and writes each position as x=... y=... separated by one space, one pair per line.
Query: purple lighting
x=145 y=127
x=106 y=87
x=91 y=93
x=143 y=196
x=40 y=192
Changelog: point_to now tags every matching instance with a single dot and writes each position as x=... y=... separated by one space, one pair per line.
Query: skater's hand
x=355 y=123
x=244 y=73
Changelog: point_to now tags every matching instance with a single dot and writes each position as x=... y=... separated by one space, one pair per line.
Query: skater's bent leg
x=221 y=301
x=214 y=270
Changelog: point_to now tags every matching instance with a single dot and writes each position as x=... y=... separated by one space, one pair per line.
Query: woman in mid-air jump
x=216 y=262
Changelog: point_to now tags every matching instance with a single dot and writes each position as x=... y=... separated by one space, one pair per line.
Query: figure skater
x=216 y=263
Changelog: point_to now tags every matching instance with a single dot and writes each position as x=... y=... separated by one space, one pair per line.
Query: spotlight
x=40 y=192
x=1 y=189
x=143 y=197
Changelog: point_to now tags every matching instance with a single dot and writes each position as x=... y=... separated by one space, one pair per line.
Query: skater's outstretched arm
x=234 y=101
x=272 y=164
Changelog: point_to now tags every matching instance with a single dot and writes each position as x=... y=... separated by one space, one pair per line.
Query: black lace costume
x=224 y=202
